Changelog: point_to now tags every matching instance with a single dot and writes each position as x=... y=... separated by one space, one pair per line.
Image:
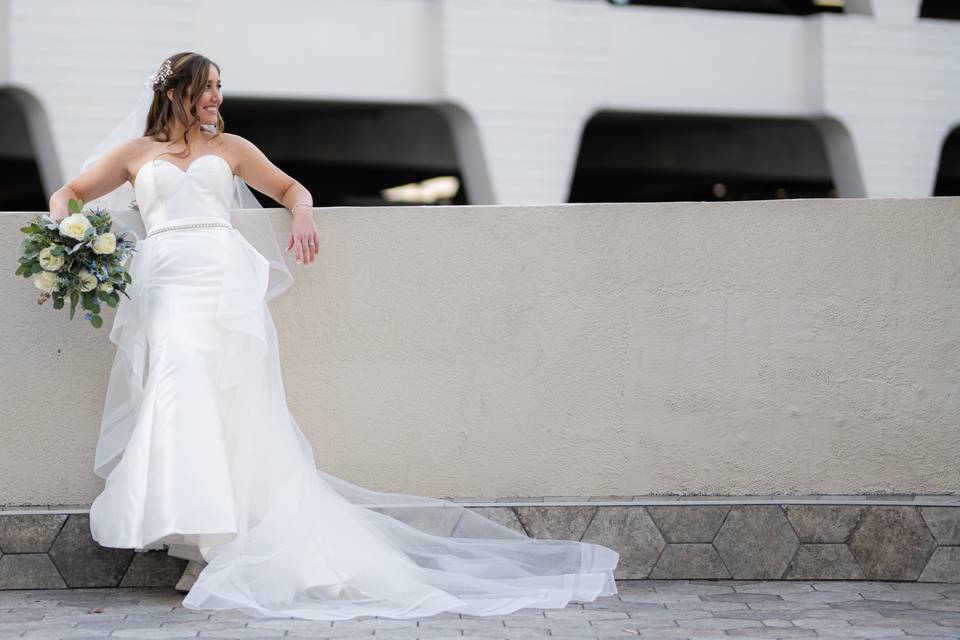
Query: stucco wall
x=807 y=346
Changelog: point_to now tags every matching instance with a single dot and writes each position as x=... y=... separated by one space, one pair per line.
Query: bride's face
x=210 y=100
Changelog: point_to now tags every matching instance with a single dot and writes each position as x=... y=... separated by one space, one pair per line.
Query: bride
x=197 y=446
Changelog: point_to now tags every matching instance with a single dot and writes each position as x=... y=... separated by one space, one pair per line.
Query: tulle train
x=203 y=454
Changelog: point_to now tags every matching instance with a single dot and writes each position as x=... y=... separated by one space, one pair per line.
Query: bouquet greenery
x=77 y=258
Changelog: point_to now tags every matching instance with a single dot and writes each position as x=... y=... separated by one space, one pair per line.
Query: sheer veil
x=254 y=225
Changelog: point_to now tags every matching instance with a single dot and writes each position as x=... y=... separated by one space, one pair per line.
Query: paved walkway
x=646 y=609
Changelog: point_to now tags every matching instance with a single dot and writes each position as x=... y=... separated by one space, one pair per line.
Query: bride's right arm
x=105 y=175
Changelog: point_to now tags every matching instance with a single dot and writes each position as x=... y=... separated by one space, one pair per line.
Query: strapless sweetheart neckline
x=136 y=177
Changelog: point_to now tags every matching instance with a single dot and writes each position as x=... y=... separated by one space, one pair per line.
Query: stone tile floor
x=644 y=608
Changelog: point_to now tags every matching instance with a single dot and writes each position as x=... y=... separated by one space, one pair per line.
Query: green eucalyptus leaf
x=58 y=303
x=96 y=321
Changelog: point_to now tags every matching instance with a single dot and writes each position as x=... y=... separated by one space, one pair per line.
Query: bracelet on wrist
x=301 y=204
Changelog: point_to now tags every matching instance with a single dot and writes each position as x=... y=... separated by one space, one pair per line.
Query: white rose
x=49 y=261
x=105 y=287
x=88 y=281
x=74 y=226
x=46 y=281
x=106 y=243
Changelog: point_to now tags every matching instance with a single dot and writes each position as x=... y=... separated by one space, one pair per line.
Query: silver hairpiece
x=156 y=79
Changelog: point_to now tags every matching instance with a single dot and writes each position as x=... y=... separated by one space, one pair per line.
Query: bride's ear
x=169 y=94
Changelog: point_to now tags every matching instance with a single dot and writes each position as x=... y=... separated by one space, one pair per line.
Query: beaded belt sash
x=194 y=225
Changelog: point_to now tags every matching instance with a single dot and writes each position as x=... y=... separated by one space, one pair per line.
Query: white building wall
x=895 y=86
x=517 y=78
x=86 y=62
x=4 y=38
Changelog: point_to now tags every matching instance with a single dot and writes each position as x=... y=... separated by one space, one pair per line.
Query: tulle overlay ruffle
x=201 y=455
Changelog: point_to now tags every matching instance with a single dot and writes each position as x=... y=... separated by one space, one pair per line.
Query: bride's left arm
x=256 y=170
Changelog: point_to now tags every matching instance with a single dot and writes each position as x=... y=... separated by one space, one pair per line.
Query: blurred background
x=378 y=102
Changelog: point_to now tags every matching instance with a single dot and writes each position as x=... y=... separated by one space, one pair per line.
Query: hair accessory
x=155 y=80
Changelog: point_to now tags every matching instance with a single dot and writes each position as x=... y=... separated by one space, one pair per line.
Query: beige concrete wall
x=726 y=348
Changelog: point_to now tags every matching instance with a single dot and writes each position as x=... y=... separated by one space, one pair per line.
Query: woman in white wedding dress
x=198 y=448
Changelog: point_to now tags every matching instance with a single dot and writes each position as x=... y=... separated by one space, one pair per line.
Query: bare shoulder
x=110 y=171
x=138 y=146
x=247 y=155
x=120 y=157
x=128 y=149
x=255 y=168
x=237 y=143
x=136 y=152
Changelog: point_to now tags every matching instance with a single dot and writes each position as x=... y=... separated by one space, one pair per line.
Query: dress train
x=202 y=456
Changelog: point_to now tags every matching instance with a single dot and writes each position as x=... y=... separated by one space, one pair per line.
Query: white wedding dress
x=202 y=456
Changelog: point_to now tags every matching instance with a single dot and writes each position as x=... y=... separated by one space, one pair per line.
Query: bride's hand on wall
x=303 y=236
x=256 y=170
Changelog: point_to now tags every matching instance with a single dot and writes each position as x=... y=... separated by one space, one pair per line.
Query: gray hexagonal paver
x=82 y=561
x=29 y=571
x=756 y=542
x=694 y=561
x=944 y=566
x=153 y=569
x=823 y=562
x=29 y=533
x=892 y=543
x=630 y=532
x=688 y=524
x=556 y=523
x=823 y=524
x=943 y=523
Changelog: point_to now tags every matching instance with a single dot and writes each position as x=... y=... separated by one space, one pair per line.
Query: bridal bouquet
x=77 y=258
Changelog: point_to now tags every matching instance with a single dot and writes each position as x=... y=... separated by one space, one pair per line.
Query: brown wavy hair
x=188 y=80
